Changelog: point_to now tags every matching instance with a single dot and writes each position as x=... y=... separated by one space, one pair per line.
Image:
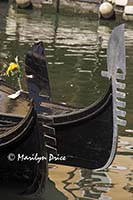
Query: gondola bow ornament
x=116 y=71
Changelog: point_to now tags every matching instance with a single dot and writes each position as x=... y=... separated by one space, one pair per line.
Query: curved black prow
x=37 y=74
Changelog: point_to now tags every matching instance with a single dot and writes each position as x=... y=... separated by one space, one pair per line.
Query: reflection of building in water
x=78 y=183
x=94 y=184
x=24 y=27
x=104 y=32
x=73 y=52
x=129 y=185
x=121 y=171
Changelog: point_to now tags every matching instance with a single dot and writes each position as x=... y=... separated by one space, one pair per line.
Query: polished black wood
x=84 y=137
x=22 y=137
x=81 y=136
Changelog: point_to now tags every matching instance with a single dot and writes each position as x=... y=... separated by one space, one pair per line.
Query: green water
x=75 y=59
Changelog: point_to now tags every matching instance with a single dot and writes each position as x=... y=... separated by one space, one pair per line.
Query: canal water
x=75 y=49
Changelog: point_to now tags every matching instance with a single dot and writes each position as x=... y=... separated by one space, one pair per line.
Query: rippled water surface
x=76 y=55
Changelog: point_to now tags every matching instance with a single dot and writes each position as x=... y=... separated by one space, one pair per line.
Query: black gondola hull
x=82 y=137
x=87 y=140
x=23 y=162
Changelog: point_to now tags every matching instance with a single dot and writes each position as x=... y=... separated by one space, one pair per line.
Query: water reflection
x=82 y=183
x=129 y=185
x=71 y=50
x=101 y=184
x=75 y=183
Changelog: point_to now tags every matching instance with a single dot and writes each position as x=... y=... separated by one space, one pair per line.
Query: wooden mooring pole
x=58 y=6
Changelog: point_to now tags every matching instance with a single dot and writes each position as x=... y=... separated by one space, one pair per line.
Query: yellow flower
x=12 y=67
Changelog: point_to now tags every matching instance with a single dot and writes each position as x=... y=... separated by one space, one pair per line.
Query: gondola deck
x=56 y=108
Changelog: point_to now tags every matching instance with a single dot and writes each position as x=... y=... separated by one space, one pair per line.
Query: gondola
x=71 y=132
x=81 y=137
x=20 y=147
x=85 y=137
